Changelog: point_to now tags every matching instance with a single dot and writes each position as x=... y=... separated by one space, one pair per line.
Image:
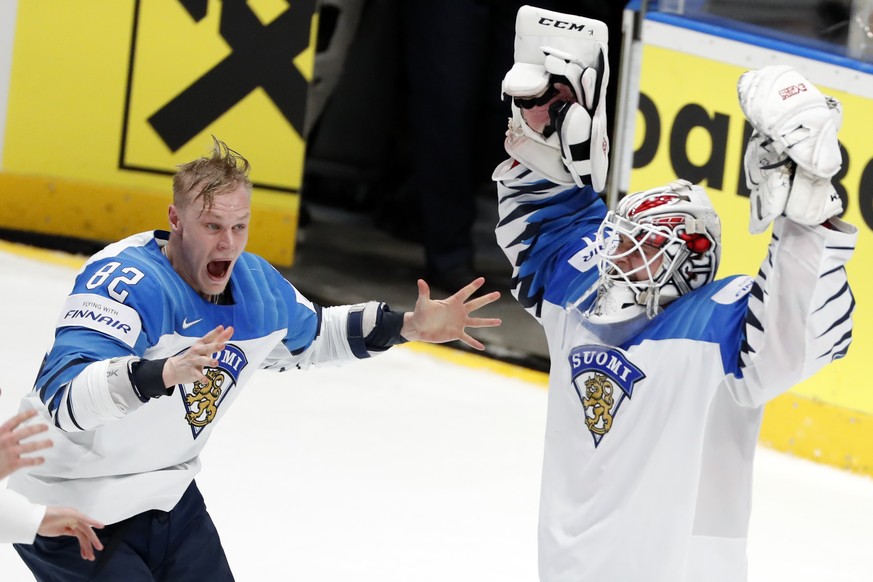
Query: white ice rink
x=410 y=468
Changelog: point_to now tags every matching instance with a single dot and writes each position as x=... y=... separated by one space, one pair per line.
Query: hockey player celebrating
x=659 y=371
x=158 y=337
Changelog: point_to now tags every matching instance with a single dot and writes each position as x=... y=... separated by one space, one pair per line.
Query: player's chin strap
x=793 y=151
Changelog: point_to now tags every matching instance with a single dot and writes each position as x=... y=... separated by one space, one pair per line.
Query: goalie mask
x=655 y=247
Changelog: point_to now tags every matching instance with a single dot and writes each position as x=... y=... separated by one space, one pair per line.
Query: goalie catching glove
x=793 y=151
x=554 y=50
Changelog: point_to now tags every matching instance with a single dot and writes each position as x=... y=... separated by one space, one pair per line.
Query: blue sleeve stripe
x=835 y=296
x=528 y=233
x=762 y=275
x=70 y=411
x=842 y=319
x=752 y=320
x=831 y=352
x=832 y=271
x=318 y=315
x=55 y=401
x=841 y=353
x=516 y=213
x=46 y=393
x=757 y=292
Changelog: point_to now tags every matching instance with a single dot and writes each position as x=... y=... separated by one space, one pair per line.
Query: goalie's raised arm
x=793 y=151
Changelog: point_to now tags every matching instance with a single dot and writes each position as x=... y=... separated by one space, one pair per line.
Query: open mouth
x=218 y=269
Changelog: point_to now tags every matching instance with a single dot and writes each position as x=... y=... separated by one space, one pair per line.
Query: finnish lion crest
x=202 y=399
x=603 y=378
x=598 y=403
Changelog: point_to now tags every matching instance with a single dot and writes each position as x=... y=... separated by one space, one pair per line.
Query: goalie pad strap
x=580 y=150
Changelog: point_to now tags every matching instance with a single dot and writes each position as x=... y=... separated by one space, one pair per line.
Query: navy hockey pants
x=180 y=545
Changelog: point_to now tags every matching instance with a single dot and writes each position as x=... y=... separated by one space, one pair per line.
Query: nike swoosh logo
x=186 y=324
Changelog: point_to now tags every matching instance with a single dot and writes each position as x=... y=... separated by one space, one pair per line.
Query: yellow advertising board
x=107 y=97
x=689 y=125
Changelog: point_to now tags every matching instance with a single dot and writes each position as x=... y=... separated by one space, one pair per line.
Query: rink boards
x=100 y=101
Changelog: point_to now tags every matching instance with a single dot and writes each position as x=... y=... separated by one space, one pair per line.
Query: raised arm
x=548 y=200
x=800 y=308
x=333 y=335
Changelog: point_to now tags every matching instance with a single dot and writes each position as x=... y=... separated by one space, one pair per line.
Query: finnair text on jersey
x=110 y=322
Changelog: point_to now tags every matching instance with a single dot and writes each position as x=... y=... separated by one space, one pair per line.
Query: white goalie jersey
x=649 y=442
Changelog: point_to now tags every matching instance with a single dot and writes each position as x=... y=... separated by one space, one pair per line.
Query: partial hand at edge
x=64 y=521
x=11 y=447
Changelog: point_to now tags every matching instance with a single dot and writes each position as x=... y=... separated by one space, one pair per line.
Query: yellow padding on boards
x=820 y=431
x=62 y=207
x=809 y=429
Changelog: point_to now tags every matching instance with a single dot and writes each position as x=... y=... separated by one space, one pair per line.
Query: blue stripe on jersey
x=74 y=349
x=557 y=224
x=697 y=317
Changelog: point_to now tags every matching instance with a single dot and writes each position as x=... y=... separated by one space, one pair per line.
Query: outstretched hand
x=188 y=366
x=444 y=320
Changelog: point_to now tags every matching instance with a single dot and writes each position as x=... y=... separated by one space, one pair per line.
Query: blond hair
x=211 y=176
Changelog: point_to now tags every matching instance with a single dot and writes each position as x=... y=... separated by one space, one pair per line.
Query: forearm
x=800 y=309
x=547 y=232
x=20 y=520
x=349 y=332
x=109 y=389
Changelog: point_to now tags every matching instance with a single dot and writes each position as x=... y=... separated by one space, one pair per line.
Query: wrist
x=148 y=378
x=407 y=330
x=387 y=332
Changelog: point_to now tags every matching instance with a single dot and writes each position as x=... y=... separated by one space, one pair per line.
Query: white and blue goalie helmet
x=656 y=246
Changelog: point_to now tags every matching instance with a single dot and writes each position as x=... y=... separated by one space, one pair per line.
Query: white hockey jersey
x=649 y=444
x=20 y=518
x=128 y=300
